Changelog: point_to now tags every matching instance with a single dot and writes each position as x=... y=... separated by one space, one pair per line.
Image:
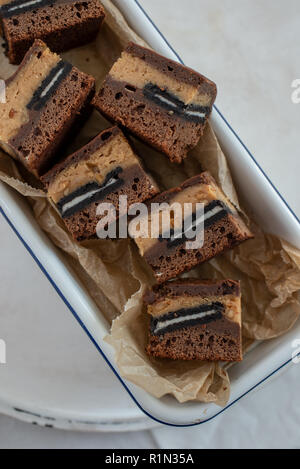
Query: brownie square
x=195 y=320
x=167 y=254
x=44 y=99
x=62 y=24
x=100 y=172
x=160 y=101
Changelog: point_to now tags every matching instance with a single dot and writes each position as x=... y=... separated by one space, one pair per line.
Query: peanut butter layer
x=116 y=152
x=167 y=305
x=20 y=90
x=138 y=73
x=201 y=192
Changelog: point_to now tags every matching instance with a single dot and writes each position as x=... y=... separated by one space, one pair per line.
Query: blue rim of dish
x=42 y=268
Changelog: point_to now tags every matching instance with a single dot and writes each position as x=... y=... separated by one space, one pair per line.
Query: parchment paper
x=116 y=277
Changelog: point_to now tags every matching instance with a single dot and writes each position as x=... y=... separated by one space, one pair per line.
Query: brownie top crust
x=172 y=69
x=82 y=154
x=192 y=288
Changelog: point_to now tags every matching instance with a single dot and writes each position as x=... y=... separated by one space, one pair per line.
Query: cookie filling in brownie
x=195 y=320
x=181 y=318
x=101 y=171
x=49 y=85
x=91 y=192
x=44 y=99
x=62 y=24
x=213 y=212
x=168 y=256
x=15 y=7
x=160 y=101
x=170 y=102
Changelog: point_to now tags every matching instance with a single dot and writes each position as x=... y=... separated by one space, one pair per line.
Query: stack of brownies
x=162 y=103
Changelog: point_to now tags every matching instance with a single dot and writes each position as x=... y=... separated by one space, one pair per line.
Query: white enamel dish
x=269 y=209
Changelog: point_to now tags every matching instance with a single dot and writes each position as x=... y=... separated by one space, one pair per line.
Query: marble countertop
x=251 y=50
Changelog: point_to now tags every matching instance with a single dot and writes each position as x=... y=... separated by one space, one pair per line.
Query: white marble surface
x=251 y=49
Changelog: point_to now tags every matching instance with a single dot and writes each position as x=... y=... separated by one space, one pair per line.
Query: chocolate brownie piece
x=98 y=173
x=195 y=320
x=167 y=253
x=62 y=24
x=158 y=100
x=44 y=98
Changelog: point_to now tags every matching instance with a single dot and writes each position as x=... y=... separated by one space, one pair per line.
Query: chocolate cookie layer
x=44 y=99
x=91 y=192
x=185 y=317
x=16 y=7
x=49 y=85
x=62 y=24
x=160 y=101
x=214 y=211
x=168 y=101
x=100 y=172
x=223 y=229
x=192 y=320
